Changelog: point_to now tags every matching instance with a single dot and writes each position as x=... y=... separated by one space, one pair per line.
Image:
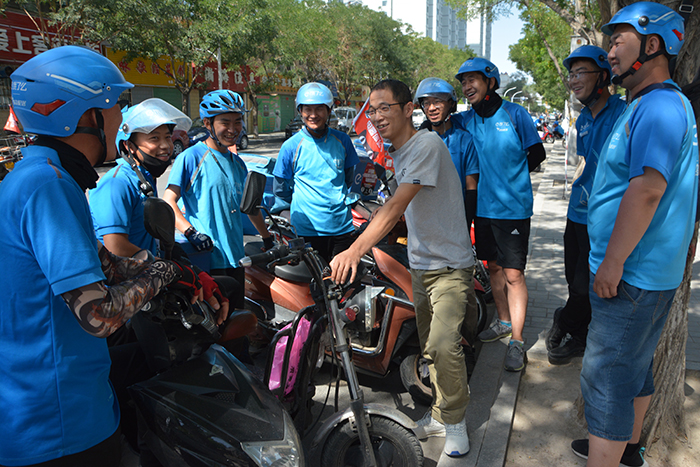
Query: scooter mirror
x=159 y=220
x=253 y=193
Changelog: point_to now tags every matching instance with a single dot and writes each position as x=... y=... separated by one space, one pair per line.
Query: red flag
x=12 y=123
x=371 y=139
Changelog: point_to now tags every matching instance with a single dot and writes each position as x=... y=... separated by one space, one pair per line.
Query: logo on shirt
x=416 y=181
x=502 y=126
x=584 y=129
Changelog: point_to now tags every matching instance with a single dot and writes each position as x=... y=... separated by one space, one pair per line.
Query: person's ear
x=408 y=109
x=206 y=121
x=653 y=44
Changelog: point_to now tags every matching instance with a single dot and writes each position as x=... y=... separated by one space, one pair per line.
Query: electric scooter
x=383 y=297
x=203 y=407
x=363 y=434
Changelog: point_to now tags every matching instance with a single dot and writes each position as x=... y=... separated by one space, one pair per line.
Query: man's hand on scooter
x=342 y=264
x=212 y=294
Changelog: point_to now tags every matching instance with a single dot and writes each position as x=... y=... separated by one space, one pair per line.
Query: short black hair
x=399 y=89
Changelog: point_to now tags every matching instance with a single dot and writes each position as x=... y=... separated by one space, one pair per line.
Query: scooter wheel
x=415 y=378
x=393 y=445
x=549 y=139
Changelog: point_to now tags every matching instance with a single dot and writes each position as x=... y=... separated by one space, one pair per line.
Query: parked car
x=295 y=124
x=198 y=132
x=418 y=118
x=345 y=117
x=181 y=141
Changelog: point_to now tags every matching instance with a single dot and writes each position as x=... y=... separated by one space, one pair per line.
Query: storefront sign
x=145 y=72
x=20 y=39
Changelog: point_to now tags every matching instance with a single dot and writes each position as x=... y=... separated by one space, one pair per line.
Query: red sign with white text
x=20 y=39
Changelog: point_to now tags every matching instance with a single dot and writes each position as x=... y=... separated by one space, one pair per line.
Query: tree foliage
x=531 y=55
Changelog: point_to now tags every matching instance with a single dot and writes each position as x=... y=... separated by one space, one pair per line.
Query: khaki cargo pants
x=440 y=299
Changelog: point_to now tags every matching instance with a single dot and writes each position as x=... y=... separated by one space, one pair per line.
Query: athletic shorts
x=502 y=240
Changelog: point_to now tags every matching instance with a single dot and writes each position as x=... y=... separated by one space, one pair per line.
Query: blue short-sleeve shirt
x=657 y=130
x=502 y=142
x=463 y=153
x=317 y=168
x=116 y=205
x=590 y=137
x=55 y=394
x=211 y=186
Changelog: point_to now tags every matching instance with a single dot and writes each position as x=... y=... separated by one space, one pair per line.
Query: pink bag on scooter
x=278 y=360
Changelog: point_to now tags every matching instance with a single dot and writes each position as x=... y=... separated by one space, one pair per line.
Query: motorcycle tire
x=393 y=445
x=414 y=370
x=549 y=139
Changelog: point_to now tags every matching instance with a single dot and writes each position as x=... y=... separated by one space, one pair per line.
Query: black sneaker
x=555 y=334
x=572 y=347
x=632 y=457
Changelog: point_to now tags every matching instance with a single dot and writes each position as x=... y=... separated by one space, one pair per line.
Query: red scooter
x=384 y=299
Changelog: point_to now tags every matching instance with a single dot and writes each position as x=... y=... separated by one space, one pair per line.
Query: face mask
x=155 y=166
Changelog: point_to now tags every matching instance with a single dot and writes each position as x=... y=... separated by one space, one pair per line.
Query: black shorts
x=502 y=240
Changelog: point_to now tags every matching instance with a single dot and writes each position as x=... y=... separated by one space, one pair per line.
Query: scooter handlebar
x=270 y=255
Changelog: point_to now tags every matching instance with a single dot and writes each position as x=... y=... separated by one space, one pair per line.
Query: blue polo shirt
x=316 y=167
x=116 y=205
x=211 y=186
x=463 y=153
x=55 y=394
x=502 y=142
x=657 y=130
x=591 y=134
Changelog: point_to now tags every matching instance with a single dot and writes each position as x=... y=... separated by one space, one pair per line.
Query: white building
x=435 y=19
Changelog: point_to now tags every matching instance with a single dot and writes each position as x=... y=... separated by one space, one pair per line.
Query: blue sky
x=505 y=32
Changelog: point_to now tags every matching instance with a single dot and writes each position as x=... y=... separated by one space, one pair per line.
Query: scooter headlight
x=286 y=452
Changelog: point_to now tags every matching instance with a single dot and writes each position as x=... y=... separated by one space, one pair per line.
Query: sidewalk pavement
x=505 y=435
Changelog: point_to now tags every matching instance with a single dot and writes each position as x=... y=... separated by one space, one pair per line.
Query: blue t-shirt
x=657 y=130
x=463 y=153
x=55 y=394
x=211 y=186
x=590 y=136
x=316 y=167
x=116 y=205
x=502 y=142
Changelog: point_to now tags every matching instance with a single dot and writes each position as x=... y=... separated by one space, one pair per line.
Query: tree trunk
x=665 y=417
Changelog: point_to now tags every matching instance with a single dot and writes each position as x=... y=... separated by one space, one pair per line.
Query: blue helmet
x=591 y=52
x=53 y=90
x=481 y=65
x=221 y=101
x=314 y=94
x=651 y=18
x=149 y=115
x=435 y=87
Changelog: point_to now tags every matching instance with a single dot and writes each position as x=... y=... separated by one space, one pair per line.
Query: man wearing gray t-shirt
x=439 y=252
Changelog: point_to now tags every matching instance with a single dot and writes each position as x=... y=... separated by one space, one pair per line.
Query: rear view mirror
x=159 y=220
x=253 y=193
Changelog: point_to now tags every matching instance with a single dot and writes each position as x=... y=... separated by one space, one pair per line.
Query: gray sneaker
x=495 y=331
x=428 y=426
x=515 y=357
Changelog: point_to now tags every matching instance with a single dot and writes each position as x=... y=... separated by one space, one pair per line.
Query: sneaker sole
x=563 y=360
x=515 y=370
x=585 y=456
x=456 y=453
x=494 y=339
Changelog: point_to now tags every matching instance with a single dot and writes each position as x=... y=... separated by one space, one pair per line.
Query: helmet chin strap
x=596 y=93
x=643 y=57
x=99 y=132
